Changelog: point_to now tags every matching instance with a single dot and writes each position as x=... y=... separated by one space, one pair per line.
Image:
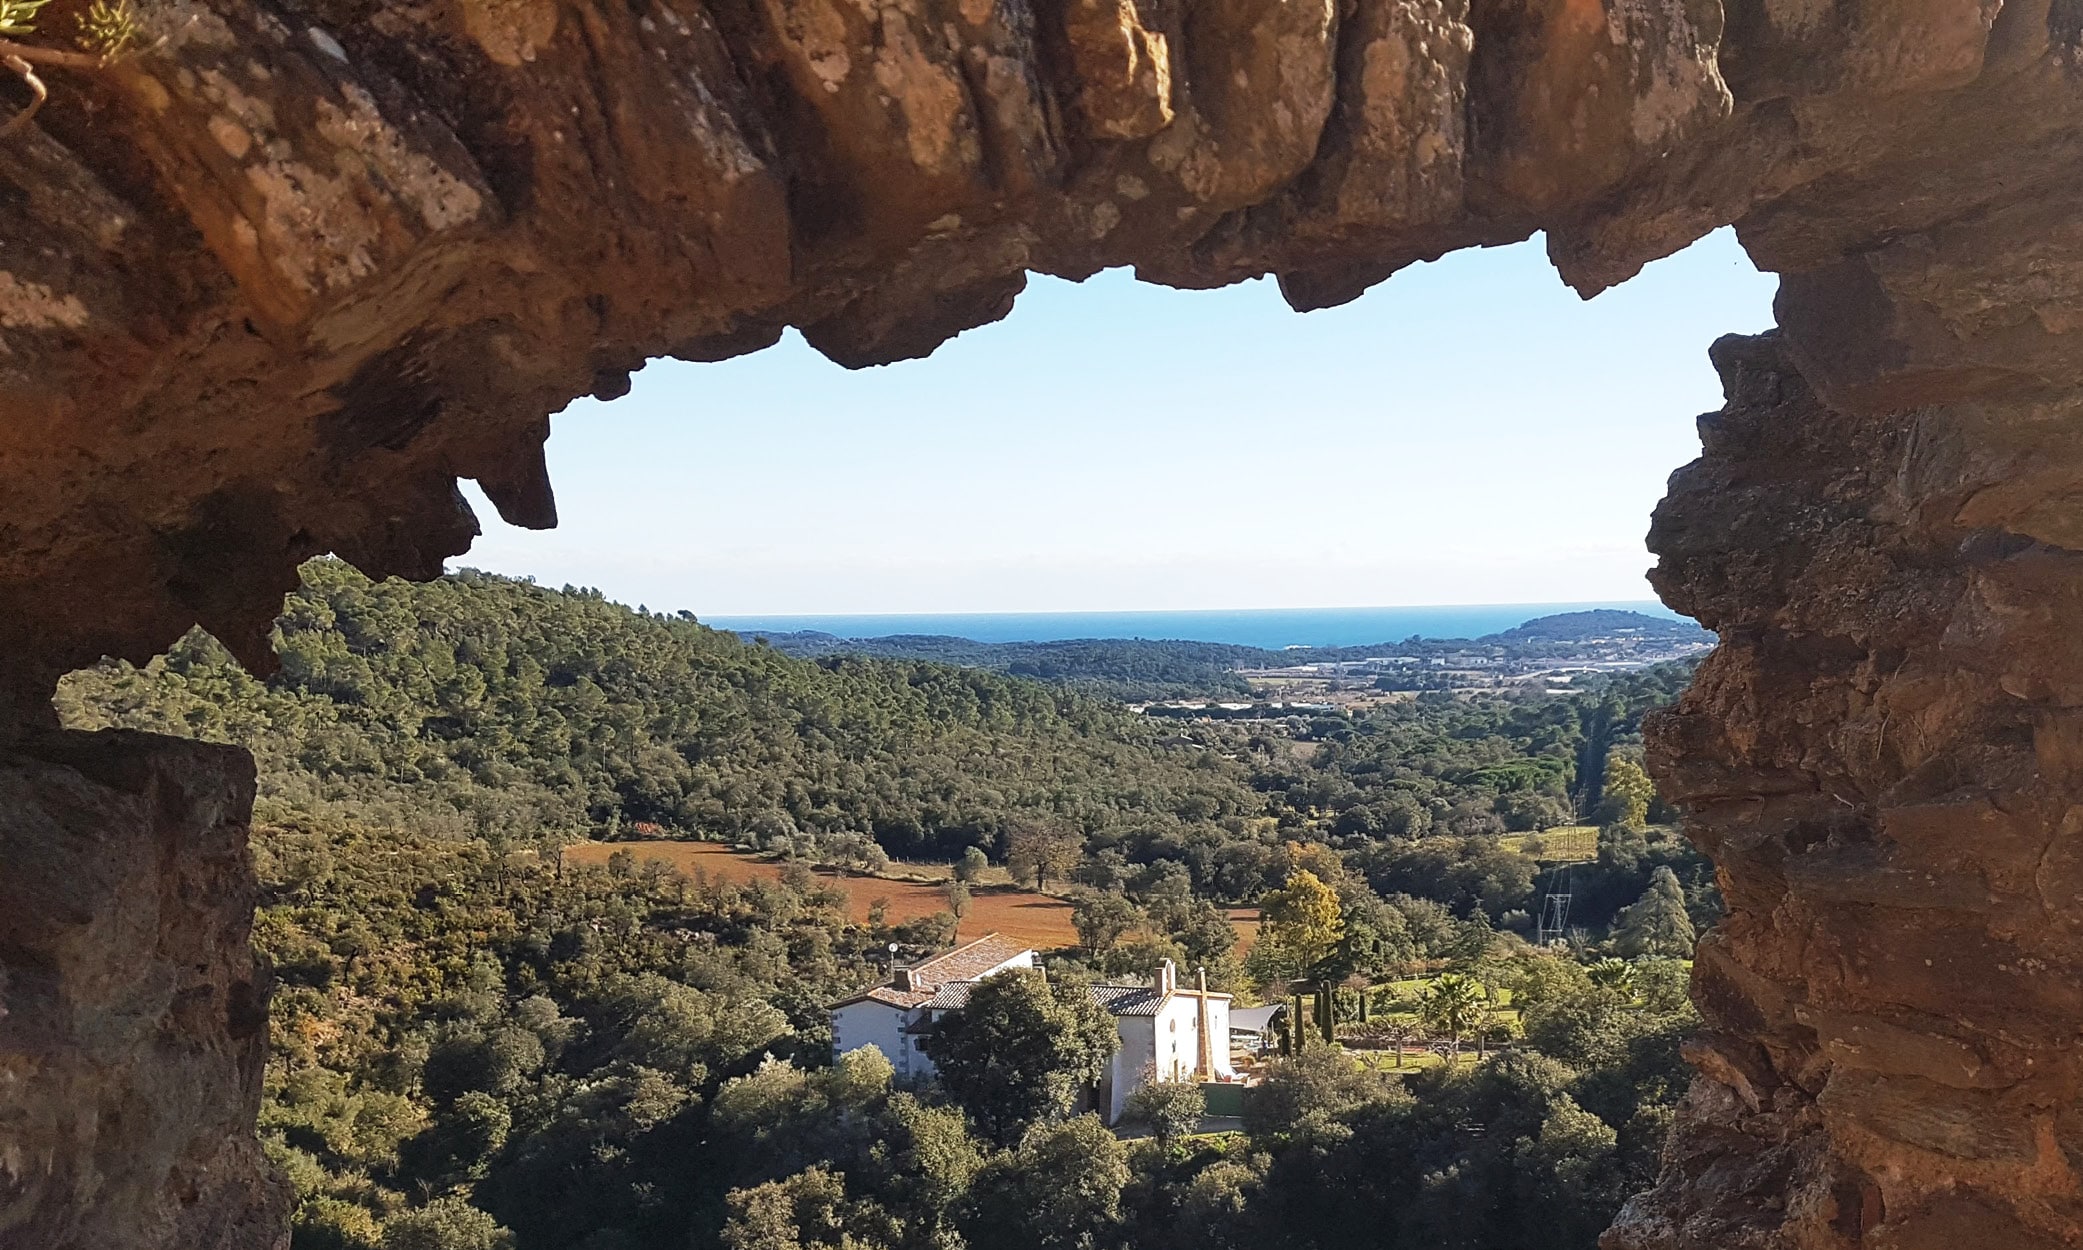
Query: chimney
x=1167 y=979
x=904 y=979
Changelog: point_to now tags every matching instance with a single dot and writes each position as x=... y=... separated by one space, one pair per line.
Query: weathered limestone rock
x=273 y=286
x=133 y=1015
x=1885 y=759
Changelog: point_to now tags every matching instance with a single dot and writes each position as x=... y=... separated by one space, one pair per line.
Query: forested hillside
x=486 y=706
x=482 y=707
x=473 y=1051
x=1123 y=667
x=1474 y=765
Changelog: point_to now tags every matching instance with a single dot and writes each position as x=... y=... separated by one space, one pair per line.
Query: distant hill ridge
x=1586 y=625
x=1155 y=668
x=1599 y=623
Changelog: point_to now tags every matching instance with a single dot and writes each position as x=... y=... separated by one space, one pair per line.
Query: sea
x=1273 y=628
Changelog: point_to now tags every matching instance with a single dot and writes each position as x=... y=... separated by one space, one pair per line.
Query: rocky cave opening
x=273 y=284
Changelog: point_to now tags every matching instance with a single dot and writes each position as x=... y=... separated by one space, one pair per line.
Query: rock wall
x=1885 y=755
x=1885 y=760
x=273 y=284
x=133 y=1015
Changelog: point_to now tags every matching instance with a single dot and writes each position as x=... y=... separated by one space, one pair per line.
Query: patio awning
x=1254 y=1019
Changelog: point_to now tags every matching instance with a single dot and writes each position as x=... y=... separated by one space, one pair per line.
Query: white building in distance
x=895 y=1017
x=1166 y=1033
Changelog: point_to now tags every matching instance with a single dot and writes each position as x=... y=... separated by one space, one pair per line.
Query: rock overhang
x=278 y=283
x=271 y=288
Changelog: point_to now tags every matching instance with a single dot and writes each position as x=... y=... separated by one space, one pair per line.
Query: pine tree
x=1657 y=923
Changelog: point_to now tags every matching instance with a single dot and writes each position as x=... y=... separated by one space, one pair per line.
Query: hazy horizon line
x=1613 y=604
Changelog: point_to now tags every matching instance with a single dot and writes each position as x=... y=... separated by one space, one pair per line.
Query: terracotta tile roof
x=943 y=983
x=1119 y=1000
x=951 y=996
x=886 y=994
x=1128 y=1000
x=964 y=963
x=968 y=962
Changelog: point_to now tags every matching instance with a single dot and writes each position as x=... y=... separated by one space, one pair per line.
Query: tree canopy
x=1302 y=920
x=1022 y=1051
x=1656 y=923
x=474 y=1046
x=480 y=705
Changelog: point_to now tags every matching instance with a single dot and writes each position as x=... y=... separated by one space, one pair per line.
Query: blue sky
x=1468 y=432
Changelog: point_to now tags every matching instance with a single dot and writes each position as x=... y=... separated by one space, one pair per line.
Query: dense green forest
x=1127 y=668
x=473 y=1051
x=484 y=707
x=491 y=707
x=1417 y=792
x=475 y=1048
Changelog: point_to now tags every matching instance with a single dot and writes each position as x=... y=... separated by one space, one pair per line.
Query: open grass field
x=1037 y=919
x=1564 y=844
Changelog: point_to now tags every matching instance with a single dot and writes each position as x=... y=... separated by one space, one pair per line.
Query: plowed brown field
x=1040 y=920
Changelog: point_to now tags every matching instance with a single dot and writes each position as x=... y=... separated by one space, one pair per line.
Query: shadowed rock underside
x=270 y=288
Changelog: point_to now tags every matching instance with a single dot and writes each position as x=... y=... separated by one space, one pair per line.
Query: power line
x=1554 y=921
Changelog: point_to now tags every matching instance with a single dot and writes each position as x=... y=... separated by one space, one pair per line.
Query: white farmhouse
x=895 y=1017
x=1166 y=1033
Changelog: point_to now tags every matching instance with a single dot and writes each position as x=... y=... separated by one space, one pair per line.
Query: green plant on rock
x=17 y=16
x=109 y=29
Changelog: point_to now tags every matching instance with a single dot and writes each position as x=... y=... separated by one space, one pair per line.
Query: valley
x=558 y=895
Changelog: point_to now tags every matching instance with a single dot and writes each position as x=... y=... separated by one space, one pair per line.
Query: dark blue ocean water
x=1255 y=627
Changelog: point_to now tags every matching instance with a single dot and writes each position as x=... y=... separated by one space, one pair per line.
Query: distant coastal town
x=1185 y=678
x=1550 y=654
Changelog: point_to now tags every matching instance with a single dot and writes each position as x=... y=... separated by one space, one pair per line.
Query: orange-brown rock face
x=1885 y=760
x=1893 y=1000
x=271 y=287
x=133 y=1017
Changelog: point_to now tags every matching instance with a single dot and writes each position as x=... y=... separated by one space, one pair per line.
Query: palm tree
x=1616 y=975
x=1450 y=1005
